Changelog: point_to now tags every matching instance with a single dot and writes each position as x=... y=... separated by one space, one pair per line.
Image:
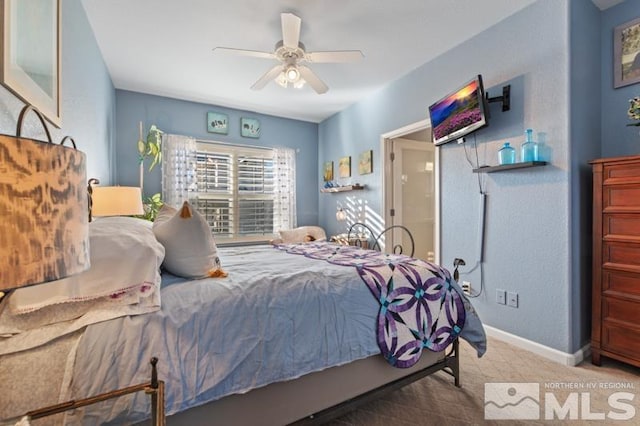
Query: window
x=244 y=193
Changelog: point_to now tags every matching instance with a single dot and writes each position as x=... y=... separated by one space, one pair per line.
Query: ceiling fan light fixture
x=284 y=78
x=292 y=74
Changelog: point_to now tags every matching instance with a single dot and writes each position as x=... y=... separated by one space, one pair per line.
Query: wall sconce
x=44 y=234
x=115 y=200
x=341 y=215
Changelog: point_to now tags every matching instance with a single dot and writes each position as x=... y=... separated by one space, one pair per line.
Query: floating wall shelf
x=504 y=167
x=343 y=188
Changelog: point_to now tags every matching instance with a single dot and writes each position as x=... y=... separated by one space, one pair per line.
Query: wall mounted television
x=459 y=113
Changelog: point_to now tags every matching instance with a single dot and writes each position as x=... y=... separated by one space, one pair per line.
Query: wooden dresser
x=616 y=260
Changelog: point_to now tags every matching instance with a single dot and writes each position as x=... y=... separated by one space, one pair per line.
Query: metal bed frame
x=397 y=249
x=154 y=388
x=450 y=364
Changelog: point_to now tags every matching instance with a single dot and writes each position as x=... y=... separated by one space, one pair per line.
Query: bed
x=293 y=331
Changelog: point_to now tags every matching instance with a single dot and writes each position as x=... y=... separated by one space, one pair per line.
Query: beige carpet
x=436 y=401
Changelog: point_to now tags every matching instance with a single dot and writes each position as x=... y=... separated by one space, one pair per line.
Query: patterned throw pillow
x=190 y=250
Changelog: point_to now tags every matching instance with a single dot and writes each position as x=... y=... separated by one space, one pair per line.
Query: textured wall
x=584 y=146
x=527 y=223
x=189 y=118
x=617 y=138
x=88 y=96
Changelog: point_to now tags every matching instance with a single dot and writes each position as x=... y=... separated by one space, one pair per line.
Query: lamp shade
x=44 y=232
x=116 y=201
x=341 y=215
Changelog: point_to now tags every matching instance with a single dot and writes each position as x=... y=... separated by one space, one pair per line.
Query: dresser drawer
x=621 y=255
x=625 y=196
x=621 y=282
x=621 y=224
x=622 y=340
x=628 y=170
x=621 y=310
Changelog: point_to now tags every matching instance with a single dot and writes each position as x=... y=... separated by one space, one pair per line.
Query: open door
x=411 y=192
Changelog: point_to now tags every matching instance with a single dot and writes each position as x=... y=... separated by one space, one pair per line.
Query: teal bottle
x=529 y=147
x=506 y=154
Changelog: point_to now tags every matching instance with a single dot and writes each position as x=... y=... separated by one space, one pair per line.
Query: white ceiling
x=164 y=47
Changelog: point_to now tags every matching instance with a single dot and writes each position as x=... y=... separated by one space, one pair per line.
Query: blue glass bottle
x=529 y=147
x=506 y=154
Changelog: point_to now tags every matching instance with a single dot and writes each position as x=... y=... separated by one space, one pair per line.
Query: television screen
x=459 y=113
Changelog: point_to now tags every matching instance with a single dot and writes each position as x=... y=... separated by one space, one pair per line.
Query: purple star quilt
x=419 y=308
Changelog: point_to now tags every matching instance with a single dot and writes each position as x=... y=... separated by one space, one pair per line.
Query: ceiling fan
x=292 y=55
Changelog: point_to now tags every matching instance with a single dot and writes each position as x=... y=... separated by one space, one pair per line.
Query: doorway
x=411 y=189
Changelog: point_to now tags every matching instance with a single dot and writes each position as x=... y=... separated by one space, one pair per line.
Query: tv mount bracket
x=505 y=98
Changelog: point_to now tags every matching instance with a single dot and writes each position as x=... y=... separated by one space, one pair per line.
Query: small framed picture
x=626 y=54
x=344 y=167
x=328 y=171
x=217 y=123
x=250 y=127
x=365 y=165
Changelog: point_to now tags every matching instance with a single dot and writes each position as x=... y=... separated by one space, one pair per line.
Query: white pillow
x=290 y=236
x=302 y=234
x=191 y=251
x=125 y=257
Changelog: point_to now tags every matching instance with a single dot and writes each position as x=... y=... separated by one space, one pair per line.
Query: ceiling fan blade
x=335 y=56
x=290 y=30
x=312 y=79
x=267 y=77
x=243 y=52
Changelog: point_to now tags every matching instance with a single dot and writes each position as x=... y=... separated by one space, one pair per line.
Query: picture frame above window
x=250 y=127
x=365 y=164
x=626 y=53
x=30 y=60
x=217 y=123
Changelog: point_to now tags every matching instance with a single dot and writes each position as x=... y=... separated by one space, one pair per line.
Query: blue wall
x=189 y=118
x=88 y=96
x=584 y=146
x=617 y=138
x=528 y=238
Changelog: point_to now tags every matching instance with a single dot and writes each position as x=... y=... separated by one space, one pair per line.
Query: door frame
x=385 y=150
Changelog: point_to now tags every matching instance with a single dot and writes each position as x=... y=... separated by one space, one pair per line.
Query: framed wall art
x=344 y=167
x=250 y=127
x=30 y=60
x=328 y=171
x=626 y=53
x=365 y=165
x=217 y=123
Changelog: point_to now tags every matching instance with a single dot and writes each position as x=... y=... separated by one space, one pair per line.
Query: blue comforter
x=276 y=317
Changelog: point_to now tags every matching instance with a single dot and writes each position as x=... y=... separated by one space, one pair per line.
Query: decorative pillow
x=191 y=251
x=124 y=279
x=290 y=236
x=124 y=255
x=302 y=234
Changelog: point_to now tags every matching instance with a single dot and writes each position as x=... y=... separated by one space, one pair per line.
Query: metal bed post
x=154 y=388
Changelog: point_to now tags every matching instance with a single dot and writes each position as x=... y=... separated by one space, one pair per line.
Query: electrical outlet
x=512 y=299
x=466 y=287
x=501 y=296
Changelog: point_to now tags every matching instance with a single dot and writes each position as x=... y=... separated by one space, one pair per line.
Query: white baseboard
x=542 y=350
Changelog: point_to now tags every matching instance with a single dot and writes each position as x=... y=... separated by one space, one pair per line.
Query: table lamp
x=44 y=234
x=116 y=201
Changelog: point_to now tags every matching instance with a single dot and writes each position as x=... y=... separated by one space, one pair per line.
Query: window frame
x=234 y=195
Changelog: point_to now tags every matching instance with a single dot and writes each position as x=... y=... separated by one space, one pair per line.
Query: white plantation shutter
x=215 y=185
x=245 y=193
